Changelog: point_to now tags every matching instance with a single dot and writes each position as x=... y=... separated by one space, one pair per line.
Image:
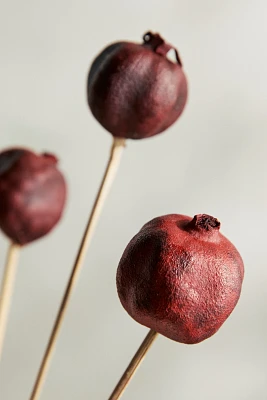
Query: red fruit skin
x=32 y=194
x=180 y=277
x=134 y=91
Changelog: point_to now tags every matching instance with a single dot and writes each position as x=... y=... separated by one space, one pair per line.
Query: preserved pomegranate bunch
x=32 y=194
x=180 y=277
x=134 y=90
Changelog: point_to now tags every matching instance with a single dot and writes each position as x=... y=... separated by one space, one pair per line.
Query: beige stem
x=132 y=367
x=113 y=163
x=7 y=289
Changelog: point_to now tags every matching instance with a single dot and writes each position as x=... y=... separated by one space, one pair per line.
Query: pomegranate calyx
x=50 y=157
x=204 y=223
x=159 y=46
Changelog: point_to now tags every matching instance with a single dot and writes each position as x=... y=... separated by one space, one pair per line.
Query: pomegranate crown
x=159 y=46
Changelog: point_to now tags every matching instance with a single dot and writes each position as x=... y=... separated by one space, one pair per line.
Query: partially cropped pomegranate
x=134 y=90
x=180 y=277
x=32 y=194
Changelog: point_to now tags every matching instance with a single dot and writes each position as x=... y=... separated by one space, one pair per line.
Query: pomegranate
x=180 y=277
x=32 y=194
x=134 y=90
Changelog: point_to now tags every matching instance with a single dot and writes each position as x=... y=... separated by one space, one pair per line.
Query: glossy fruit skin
x=32 y=194
x=134 y=90
x=180 y=277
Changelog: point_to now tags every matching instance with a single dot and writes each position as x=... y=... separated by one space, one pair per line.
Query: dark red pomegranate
x=180 y=277
x=32 y=194
x=134 y=90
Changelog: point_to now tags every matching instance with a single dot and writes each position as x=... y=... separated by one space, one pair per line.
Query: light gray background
x=213 y=160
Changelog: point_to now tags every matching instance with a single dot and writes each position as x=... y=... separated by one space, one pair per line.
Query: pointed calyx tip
x=204 y=222
x=159 y=46
x=51 y=157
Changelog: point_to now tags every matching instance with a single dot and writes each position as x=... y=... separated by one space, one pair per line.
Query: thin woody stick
x=132 y=367
x=113 y=163
x=7 y=289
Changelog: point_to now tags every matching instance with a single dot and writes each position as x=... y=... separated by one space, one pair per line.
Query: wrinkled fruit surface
x=134 y=90
x=32 y=194
x=180 y=277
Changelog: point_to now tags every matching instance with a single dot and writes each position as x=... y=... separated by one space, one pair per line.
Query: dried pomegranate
x=32 y=194
x=134 y=90
x=180 y=277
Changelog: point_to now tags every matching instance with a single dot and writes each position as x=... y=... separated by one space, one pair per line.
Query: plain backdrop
x=213 y=160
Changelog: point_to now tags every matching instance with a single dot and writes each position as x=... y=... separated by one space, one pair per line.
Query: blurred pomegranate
x=32 y=194
x=134 y=90
x=180 y=277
